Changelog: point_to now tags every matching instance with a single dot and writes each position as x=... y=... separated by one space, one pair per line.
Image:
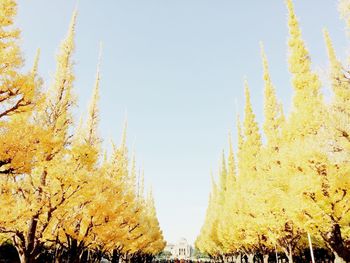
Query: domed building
x=182 y=250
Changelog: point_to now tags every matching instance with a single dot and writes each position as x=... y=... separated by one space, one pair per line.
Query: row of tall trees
x=273 y=194
x=60 y=194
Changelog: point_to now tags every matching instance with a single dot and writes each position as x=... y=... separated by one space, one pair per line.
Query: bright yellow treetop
x=252 y=140
x=93 y=112
x=272 y=108
x=339 y=81
x=60 y=99
x=307 y=101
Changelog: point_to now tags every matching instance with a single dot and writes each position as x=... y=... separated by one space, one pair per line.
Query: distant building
x=180 y=250
x=169 y=248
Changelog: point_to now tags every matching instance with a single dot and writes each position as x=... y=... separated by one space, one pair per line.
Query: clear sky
x=176 y=67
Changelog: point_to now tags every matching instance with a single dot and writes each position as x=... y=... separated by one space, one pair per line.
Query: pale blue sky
x=177 y=68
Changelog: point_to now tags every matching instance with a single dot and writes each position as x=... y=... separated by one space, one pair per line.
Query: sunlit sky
x=176 y=69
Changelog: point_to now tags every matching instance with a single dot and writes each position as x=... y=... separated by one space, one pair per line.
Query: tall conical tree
x=155 y=242
x=269 y=194
x=223 y=173
x=225 y=212
x=231 y=166
x=274 y=117
x=133 y=174
x=142 y=184
x=252 y=140
x=302 y=127
x=240 y=145
x=206 y=241
x=338 y=130
x=317 y=188
x=60 y=101
x=340 y=83
x=93 y=113
x=307 y=101
x=221 y=199
x=119 y=157
x=36 y=63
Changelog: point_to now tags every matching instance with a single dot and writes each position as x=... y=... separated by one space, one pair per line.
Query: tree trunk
x=238 y=259
x=22 y=258
x=73 y=253
x=25 y=256
x=27 y=247
x=30 y=242
x=250 y=258
x=20 y=250
x=338 y=259
x=150 y=257
x=115 y=256
x=289 y=253
x=124 y=258
x=337 y=244
x=266 y=258
x=95 y=256
x=84 y=256
x=58 y=254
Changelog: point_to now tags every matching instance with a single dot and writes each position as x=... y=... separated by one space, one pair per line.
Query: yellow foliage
x=66 y=198
x=297 y=182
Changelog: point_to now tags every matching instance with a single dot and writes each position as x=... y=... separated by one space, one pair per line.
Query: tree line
x=62 y=197
x=289 y=193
